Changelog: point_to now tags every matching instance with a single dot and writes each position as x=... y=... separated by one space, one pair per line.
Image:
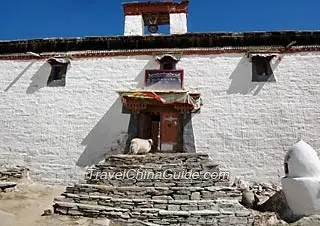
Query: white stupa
x=301 y=185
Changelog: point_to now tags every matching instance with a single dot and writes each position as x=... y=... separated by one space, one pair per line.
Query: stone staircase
x=9 y=177
x=156 y=189
x=13 y=173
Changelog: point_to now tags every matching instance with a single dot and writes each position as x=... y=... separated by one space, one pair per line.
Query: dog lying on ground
x=140 y=146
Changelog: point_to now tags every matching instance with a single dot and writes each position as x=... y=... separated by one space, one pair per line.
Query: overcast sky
x=29 y=19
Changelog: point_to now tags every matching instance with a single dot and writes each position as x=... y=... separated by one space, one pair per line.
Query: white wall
x=133 y=25
x=244 y=126
x=178 y=23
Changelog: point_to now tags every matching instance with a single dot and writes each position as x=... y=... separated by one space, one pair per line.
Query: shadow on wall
x=109 y=136
x=19 y=76
x=242 y=78
x=152 y=64
x=40 y=78
x=188 y=134
x=113 y=133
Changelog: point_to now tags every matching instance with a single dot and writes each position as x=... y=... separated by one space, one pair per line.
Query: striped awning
x=189 y=100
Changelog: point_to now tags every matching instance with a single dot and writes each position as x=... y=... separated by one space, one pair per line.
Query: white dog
x=140 y=146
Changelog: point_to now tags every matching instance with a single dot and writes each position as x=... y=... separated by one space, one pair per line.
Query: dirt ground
x=24 y=205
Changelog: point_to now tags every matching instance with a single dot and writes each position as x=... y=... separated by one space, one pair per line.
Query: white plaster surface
x=133 y=25
x=245 y=126
x=302 y=195
x=301 y=185
x=302 y=161
x=178 y=23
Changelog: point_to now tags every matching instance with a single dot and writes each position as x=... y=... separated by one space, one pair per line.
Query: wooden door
x=155 y=135
x=149 y=128
x=145 y=126
x=170 y=132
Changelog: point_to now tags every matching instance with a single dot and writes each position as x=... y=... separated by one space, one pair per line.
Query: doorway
x=164 y=128
x=170 y=132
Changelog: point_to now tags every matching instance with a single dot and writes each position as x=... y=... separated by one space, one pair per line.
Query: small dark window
x=286 y=169
x=58 y=72
x=168 y=66
x=167 y=63
x=261 y=69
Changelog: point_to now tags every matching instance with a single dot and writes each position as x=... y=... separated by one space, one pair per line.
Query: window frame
x=168 y=60
x=261 y=68
x=57 y=77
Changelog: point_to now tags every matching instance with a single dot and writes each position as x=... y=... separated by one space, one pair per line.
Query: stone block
x=181 y=197
x=243 y=213
x=160 y=206
x=205 y=213
x=238 y=220
x=195 y=196
x=173 y=207
x=162 y=197
x=173 y=213
x=189 y=207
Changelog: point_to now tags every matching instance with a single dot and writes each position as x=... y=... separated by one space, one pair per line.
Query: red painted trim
x=139 y=8
x=152 y=52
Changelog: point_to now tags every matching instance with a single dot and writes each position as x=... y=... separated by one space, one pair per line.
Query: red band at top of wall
x=140 y=8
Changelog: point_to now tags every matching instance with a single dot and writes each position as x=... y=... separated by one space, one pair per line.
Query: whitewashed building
x=244 y=98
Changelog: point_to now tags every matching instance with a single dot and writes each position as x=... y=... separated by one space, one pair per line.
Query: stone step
x=13 y=173
x=80 y=209
x=155 y=171
x=164 y=183
x=171 y=170
x=151 y=176
x=235 y=215
x=160 y=158
x=156 y=189
x=6 y=185
x=159 y=202
x=133 y=192
x=158 y=166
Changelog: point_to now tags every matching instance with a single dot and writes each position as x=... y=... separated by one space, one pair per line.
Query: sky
x=31 y=19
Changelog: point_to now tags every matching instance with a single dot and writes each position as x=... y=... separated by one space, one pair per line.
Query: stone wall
x=156 y=192
x=13 y=173
x=161 y=202
x=220 y=213
x=160 y=170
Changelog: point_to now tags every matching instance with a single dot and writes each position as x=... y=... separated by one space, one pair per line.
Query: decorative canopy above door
x=182 y=101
